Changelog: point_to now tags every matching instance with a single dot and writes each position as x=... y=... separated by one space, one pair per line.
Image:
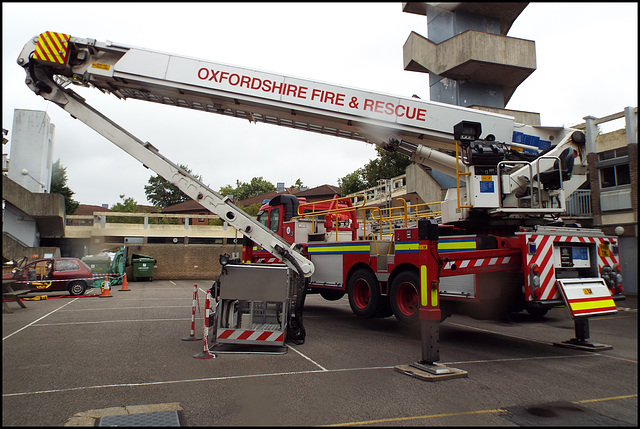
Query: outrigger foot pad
x=431 y=371
x=578 y=344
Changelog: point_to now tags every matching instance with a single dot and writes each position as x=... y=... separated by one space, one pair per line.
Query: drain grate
x=160 y=418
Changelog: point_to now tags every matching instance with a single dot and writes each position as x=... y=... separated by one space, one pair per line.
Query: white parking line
x=278 y=374
x=37 y=320
x=93 y=309
x=109 y=321
x=497 y=333
x=309 y=359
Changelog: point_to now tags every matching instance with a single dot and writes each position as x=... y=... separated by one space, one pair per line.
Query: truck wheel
x=405 y=299
x=364 y=293
x=537 y=313
x=384 y=307
x=331 y=295
x=76 y=288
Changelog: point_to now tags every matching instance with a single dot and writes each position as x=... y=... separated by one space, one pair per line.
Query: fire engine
x=494 y=248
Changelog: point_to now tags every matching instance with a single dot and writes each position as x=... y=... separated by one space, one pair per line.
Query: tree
x=298 y=185
x=127 y=205
x=161 y=193
x=59 y=186
x=243 y=190
x=385 y=166
x=352 y=182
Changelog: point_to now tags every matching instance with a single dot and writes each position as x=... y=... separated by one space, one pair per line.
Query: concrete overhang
x=506 y=12
x=48 y=210
x=473 y=56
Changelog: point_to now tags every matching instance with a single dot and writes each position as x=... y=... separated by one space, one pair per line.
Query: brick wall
x=175 y=262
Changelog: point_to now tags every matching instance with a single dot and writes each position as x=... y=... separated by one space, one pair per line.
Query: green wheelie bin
x=142 y=267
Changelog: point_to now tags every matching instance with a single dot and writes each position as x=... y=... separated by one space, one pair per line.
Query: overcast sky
x=587 y=64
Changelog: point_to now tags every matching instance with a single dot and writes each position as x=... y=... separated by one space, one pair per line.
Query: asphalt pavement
x=74 y=360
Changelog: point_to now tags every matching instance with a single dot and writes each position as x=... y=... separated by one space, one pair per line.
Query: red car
x=52 y=275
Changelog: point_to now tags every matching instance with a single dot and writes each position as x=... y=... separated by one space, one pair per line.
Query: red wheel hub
x=407 y=299
x=361 y=294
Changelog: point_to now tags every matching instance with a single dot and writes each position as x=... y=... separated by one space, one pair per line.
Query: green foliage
x=243 y=190
x=162 y=193
x=298 y=185
x=252 y=209
x=59 y=186
x=227 y=190
x=385 y=166
x=352 y=182
x=127 y=205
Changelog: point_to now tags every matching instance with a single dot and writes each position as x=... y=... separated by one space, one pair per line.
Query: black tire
x=332 y=294
x=405 y=298
x=364 y=293
x=536 y=312
x=384 y=307
x=76 y=288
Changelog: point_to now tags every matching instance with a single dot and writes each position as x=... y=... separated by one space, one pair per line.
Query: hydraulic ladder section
x=258 y=96
x=40 y=80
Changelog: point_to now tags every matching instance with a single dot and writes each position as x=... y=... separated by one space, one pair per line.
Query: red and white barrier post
x=206 y=354
x=192 y=334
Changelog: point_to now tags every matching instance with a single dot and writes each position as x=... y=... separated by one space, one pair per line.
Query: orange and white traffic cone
x=124 y=284
x=106 y=289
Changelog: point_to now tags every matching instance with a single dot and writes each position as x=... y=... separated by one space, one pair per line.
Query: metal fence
x=579 y=203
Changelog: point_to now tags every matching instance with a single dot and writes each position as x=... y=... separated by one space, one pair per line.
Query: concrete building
x=30 y=215
x=469 y=58
x=613 y=175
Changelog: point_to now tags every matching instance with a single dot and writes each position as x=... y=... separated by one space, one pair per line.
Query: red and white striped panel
x=250 y=336
x=544 y=258
x=477 y=263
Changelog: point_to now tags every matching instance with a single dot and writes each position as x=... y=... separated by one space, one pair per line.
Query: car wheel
x=76 y=288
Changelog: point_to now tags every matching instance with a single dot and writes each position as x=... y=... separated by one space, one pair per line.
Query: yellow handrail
x=372 y=215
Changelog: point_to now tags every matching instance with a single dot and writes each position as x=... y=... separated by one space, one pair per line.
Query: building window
x=614 y=168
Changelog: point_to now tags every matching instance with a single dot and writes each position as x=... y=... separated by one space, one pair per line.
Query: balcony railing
x=579 y=204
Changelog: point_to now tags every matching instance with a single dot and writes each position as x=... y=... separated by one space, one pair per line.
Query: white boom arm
x=420 y=126
x=149 y=156
x=131 y=72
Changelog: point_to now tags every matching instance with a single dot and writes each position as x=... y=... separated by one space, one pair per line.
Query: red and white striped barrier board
x=247 y=336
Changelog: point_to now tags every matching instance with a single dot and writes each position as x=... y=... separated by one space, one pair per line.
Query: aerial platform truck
x=498 y=244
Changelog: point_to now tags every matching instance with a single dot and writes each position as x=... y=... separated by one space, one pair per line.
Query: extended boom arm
x=40 y=80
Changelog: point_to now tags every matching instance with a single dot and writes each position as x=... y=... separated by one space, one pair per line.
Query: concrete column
x=631 y=125
x=591 y=132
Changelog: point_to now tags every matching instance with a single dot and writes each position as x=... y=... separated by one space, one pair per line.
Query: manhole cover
x=160 y=418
